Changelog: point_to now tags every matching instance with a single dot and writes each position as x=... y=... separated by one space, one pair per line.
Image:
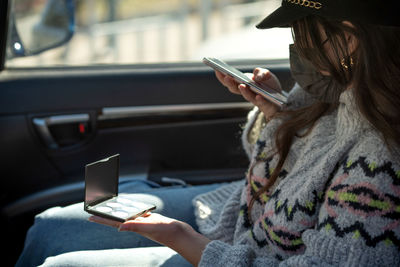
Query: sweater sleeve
x=218 y=253
x=358 y=222
x=217 y=211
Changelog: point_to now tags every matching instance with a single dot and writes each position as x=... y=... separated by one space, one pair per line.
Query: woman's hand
x=172 y=233
x=259 y=75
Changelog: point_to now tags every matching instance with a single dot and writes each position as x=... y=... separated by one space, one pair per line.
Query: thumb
x=131 y=226
x=269 y=109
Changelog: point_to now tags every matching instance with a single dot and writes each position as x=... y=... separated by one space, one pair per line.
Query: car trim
x=42 y=126
x=123 y=112
x=4 y=16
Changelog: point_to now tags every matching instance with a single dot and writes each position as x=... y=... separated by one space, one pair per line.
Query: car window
x=151 y=31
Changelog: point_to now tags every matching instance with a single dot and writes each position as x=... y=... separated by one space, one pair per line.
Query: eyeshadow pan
x=130 y=209
x=139 y=205
x=124 y=200
x=103 y=209
x=114 y=204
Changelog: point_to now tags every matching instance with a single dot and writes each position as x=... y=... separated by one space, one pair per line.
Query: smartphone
x=101 y=193
x=278 y=98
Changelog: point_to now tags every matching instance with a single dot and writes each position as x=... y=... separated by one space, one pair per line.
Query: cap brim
x=281 y=17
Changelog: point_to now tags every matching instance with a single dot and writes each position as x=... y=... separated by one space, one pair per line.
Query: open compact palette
x=101 y=192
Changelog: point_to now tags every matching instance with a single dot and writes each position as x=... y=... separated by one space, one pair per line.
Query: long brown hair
x=373 y=70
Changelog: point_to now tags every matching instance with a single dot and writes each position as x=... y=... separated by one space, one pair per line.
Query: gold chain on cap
x=306 y=3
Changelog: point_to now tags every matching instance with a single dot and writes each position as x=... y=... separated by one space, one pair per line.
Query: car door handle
x=42 y=125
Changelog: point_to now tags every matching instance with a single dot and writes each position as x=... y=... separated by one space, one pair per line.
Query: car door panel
x=164 y=120
x=161 y=140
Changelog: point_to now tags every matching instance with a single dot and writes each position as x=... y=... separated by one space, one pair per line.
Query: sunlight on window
x=155 y=31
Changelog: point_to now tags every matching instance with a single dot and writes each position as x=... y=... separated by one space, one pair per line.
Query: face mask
x=322 y=88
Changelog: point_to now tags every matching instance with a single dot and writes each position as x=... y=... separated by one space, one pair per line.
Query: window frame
x=4 y=20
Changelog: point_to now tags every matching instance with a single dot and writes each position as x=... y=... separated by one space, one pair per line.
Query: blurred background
x=156 y=31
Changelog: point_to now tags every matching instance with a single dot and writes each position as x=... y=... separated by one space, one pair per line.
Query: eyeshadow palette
x=101 y=193
x=120 y=208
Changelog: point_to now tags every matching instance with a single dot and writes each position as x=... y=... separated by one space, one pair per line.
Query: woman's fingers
x=112 y=223
x=104 y=221
x=267 y=78
x=220 y=76
x=147 y=214
x=228 y=82
x=247 y=93
x=261 y=75
x=268 y=108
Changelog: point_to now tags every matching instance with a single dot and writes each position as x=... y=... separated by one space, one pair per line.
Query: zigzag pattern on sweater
x=371 y=202
x=358 y=231
x=281 y=237
x=285 y=240
x=309 y=208
x=372 y=169
x=257 y=185
x=363 y=200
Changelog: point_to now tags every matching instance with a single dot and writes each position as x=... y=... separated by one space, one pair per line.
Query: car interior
x=172 y=123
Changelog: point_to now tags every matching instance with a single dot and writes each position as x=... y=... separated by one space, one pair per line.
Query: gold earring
x=344 y=65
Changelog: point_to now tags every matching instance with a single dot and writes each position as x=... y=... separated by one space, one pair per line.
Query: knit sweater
x=336 y=202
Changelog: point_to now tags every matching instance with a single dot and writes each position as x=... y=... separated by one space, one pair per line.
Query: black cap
x=376 y=12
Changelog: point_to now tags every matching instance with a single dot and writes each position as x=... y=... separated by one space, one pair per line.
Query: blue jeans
x=66 y=231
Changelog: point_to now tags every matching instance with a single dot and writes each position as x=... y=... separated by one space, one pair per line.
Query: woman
x=323 y=186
